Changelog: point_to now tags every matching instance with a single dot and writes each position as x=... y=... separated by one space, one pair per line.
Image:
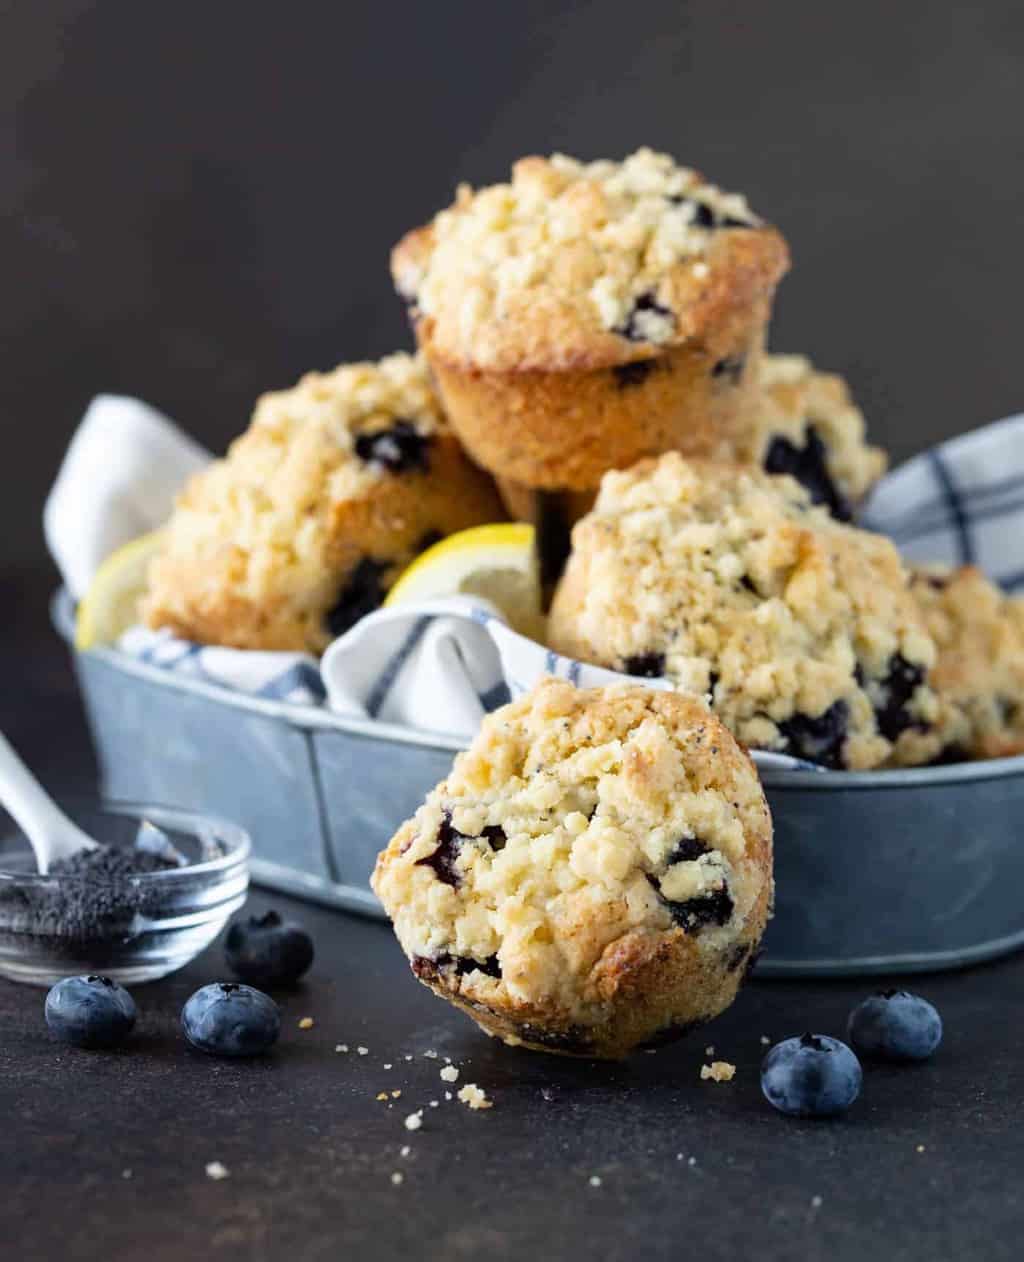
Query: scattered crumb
x=719 y=1070
x=430 y=1054
x=341 y=1047
x=409 y=1057
x=414 y=1121
x=709 y=1051
x=547 y=1094
x=306 y=1023
x=474 y=1097
x=404 y=1151
x=395 y=1095
x=595 y=1181
x=387 y=1066
x=447 y=1095
x=126 y=1174
x=447 y=1060
x=397 y=1177
x=920 y=1148
x=765 y=1040
x=449 y=1074
x=216 y=1170
x=434 y=1104
x=382 y=1095
x=691 y=1161
x=363 y=1051
x=815 y=1202
x=679 y=1156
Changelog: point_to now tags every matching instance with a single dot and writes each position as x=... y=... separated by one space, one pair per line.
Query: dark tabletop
x=103 y=1155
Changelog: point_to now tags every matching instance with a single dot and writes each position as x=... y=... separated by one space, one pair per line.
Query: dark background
x=199 y=198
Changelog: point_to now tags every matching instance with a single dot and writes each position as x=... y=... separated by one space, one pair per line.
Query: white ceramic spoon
x=52 y=834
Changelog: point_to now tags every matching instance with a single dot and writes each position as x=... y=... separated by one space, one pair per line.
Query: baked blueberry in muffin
x=808 y=426
x=593 y=874
x=302 y=528
x=729 y=582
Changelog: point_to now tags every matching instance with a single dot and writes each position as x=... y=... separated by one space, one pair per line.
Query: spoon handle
x=49 y=830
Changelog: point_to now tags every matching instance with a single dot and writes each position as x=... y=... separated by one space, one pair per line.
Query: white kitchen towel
x=961 y=503
x=440 y=666
x=120 y=474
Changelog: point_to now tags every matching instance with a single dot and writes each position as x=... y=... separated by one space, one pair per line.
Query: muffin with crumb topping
x=594 y=875
x=585 y=315
x=979 y=671
x=729 y=582
x=318 y=506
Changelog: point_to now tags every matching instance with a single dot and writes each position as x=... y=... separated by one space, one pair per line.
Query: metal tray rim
x=311 y=717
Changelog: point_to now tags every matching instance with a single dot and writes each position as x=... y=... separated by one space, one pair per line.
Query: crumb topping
x=718 y=1071
x=729 y=583
x=979 y=672
x=619 y=249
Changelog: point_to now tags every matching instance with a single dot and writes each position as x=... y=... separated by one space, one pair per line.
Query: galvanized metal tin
x=876 y=872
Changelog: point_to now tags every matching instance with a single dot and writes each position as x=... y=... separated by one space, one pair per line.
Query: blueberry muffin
x=593 y=876
x=302 y=528
x=583 y=316
x=808 y=426
x=979 y=670
x=729 y=582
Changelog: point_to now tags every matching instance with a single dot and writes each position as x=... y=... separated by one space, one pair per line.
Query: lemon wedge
x=111 y=605
x=497 y=562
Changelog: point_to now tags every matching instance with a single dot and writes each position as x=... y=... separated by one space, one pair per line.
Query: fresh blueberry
x=228 y=1019
x=268 y=951
x=895 y=1025
x=811 y=1076
x=90 y=1011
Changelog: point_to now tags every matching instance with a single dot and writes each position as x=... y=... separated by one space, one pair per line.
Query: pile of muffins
x=595 y=873
x=591 y=358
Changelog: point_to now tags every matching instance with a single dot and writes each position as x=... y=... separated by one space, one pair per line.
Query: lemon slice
x=497 y=562
x=111 y=605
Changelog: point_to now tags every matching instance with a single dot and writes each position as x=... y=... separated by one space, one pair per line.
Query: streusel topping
x=575 y=260
x=727 y=581
x=979 y=671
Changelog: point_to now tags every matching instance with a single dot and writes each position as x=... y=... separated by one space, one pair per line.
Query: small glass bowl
x=150 y=925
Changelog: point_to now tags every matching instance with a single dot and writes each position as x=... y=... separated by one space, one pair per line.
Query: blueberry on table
x=268 y=951
x=895 y=1025
x=811 y=1076
x=90 y=1011
x=228 y=1019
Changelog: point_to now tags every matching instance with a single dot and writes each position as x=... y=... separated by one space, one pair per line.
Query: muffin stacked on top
x=583 y=316
x=301 y=530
